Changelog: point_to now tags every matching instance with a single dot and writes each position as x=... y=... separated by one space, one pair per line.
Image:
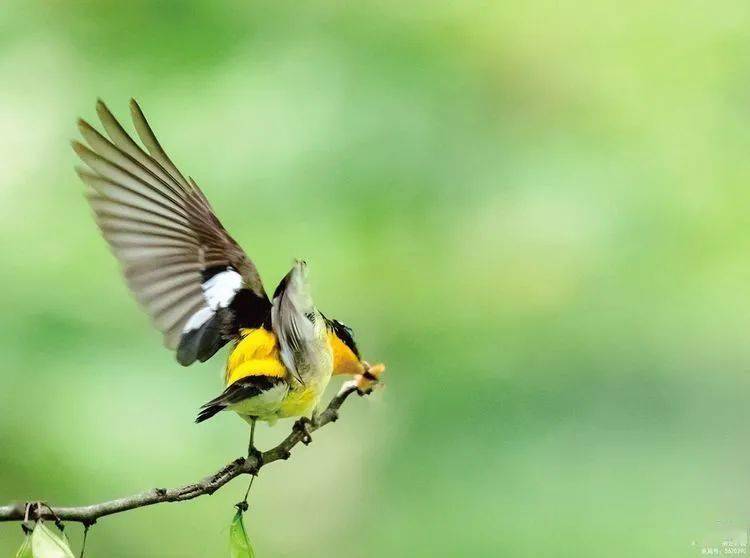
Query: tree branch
x=88 y=515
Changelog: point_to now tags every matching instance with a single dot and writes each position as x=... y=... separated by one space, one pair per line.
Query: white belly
x=264 y=406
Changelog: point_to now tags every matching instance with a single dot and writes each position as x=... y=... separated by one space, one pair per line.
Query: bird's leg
x=252 y=451
x=243 y=505
x=303 y=425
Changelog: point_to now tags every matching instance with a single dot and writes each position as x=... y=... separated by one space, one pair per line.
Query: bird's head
x=347 y=359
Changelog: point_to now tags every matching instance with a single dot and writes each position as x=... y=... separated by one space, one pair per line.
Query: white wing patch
x=198 y=319
x=221 y=288
x=219 y=292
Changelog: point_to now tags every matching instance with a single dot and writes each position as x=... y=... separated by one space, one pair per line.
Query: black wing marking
x=202 y=341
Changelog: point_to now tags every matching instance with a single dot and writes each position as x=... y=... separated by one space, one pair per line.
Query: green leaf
x=239 y=543
x=47 y=544
x=25 y=550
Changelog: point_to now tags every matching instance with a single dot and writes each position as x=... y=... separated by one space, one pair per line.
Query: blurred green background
x=536 y=214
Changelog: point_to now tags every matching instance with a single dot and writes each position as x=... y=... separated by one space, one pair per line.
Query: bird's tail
x=216 y=405
x=207 y=411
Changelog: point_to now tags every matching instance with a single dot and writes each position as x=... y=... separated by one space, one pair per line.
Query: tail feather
x=208 y=410
x=246 y=388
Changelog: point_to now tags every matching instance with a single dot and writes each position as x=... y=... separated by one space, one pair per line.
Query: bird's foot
x=303 y=425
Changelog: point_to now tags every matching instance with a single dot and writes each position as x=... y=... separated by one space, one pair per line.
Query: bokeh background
x=537 y=214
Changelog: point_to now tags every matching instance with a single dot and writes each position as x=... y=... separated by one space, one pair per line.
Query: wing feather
x=123 y=140
x=144 y=131
x=171 y=246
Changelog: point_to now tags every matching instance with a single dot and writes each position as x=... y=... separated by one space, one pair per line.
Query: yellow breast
x=256 y=354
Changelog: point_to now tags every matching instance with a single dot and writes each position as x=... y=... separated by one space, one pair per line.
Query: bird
x=200 y=288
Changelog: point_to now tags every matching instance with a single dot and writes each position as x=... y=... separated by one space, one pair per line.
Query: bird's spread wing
x=193 y=279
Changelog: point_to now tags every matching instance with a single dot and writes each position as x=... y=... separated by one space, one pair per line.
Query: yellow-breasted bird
x=200 y=288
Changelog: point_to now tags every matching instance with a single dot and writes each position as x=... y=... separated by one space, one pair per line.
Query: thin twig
x=88 y=515
x=86 y=528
